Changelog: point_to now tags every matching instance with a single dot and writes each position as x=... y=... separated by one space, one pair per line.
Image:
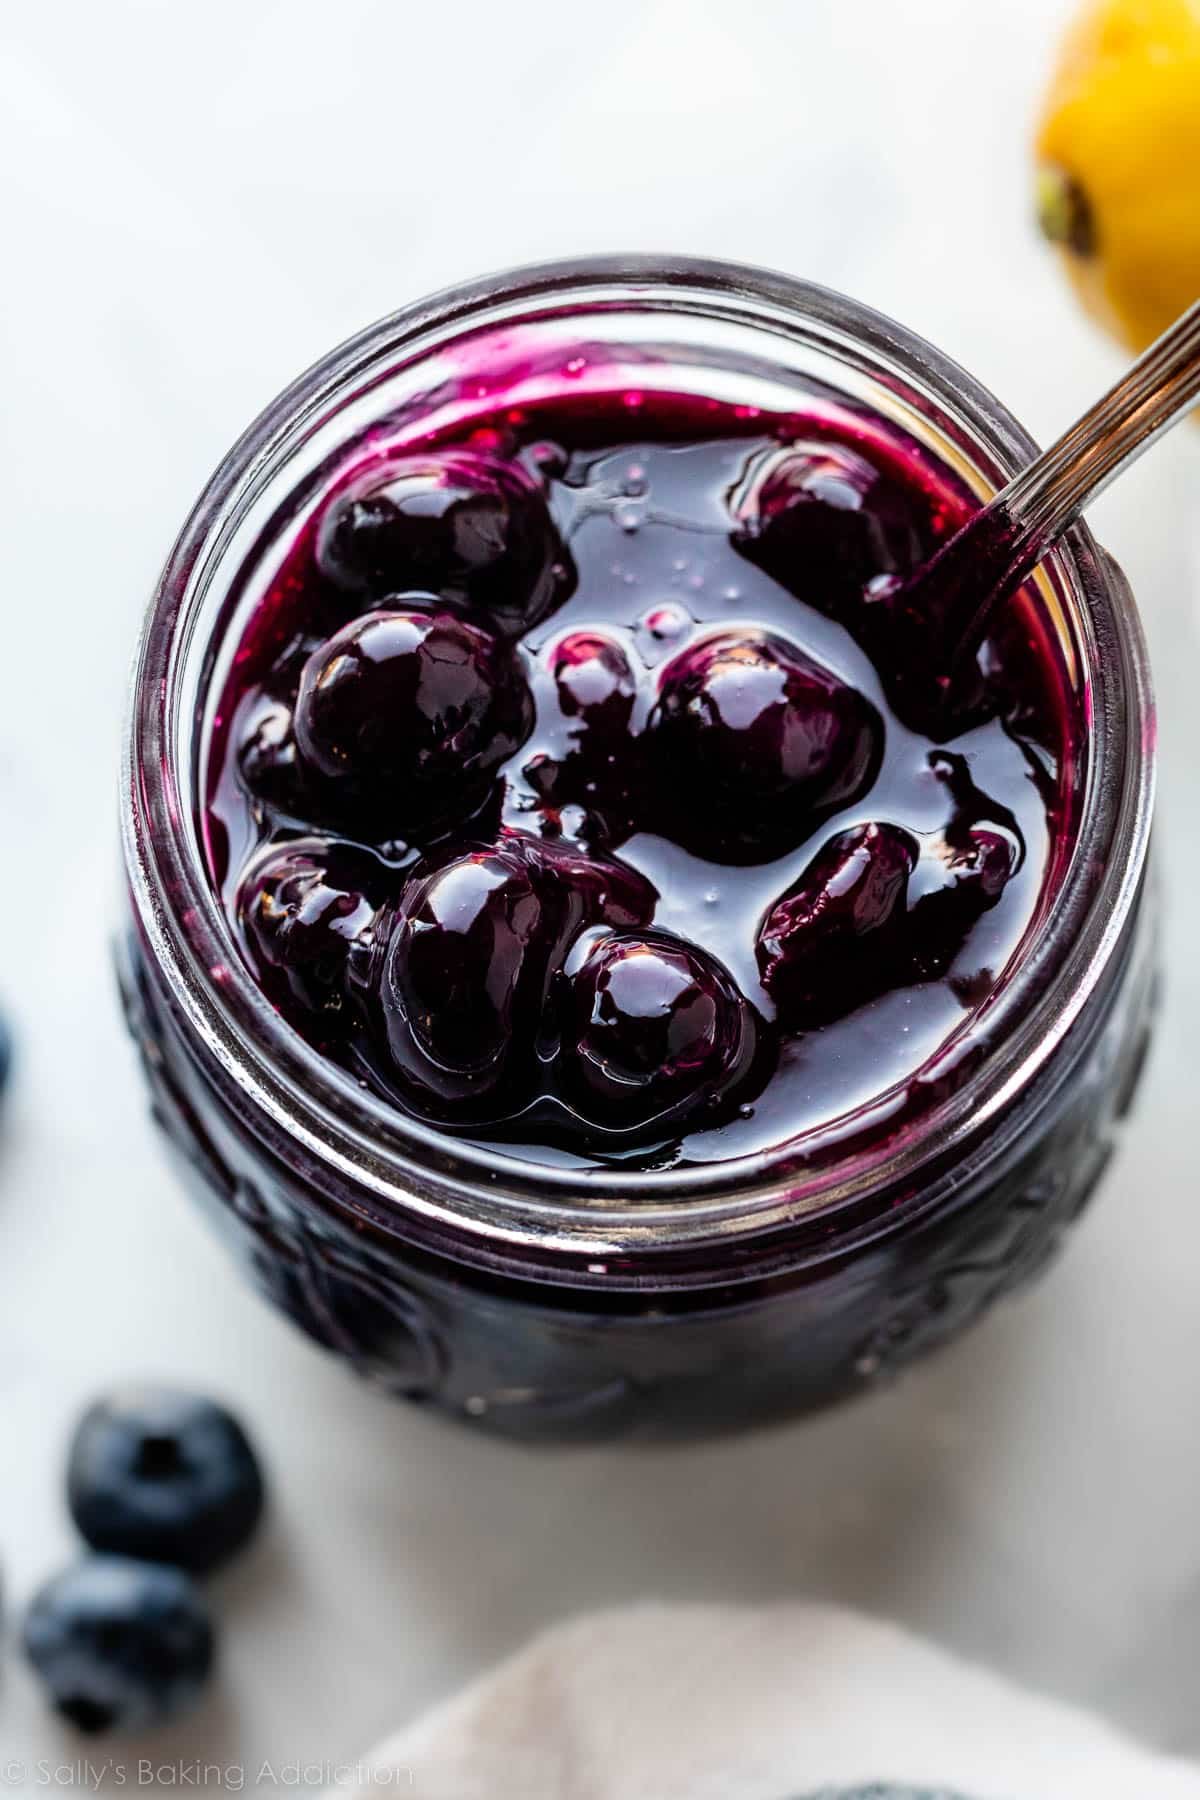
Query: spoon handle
x=1054 y=489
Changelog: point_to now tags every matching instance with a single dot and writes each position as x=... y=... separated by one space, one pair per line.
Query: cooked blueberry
x=822 y=520
x=573 y=799
x=977 y=864
x=412 y=711
x=654 y=1031
x=752 y=743
x=596 y=685
x=166 y=1476
x=266 y=753
x=458 y=522
x=464 y=975
x=830 y=942
x=592 y=890
x=120 y=1644
x=598 y=765
x=304 y=908
x=472 y=952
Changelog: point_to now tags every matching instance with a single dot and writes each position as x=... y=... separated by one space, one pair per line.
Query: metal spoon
x=950 y=599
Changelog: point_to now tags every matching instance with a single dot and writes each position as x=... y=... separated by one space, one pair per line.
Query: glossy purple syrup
x=572 y=788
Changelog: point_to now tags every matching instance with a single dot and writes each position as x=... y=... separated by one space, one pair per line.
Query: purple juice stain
x=578 y=788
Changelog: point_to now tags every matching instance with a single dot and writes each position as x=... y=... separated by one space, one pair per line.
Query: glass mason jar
x=526 y=1298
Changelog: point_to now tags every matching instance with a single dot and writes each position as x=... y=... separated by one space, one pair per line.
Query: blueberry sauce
x=570 y=787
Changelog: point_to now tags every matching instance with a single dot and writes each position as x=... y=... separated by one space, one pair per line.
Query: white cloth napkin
x=798 y=1702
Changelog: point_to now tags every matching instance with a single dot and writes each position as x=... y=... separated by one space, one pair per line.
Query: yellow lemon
x=1118 y=153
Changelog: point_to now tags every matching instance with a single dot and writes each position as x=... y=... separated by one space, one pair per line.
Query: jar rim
x=401 y=1167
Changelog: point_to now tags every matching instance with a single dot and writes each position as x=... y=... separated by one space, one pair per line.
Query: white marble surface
x=197 y=200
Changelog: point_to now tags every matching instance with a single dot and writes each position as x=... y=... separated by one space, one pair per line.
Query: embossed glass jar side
x=703 y=1298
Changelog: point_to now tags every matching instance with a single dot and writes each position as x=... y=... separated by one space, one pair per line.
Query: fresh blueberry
x=457 y=522
x=832 y=941
x=752 y=742
x=120 y=1644
x=6 y=1052
x=654 y=1031
x=823 y=520
x=164 y=1475
x=305 y=911
x=413 y=711
x=475 y=943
